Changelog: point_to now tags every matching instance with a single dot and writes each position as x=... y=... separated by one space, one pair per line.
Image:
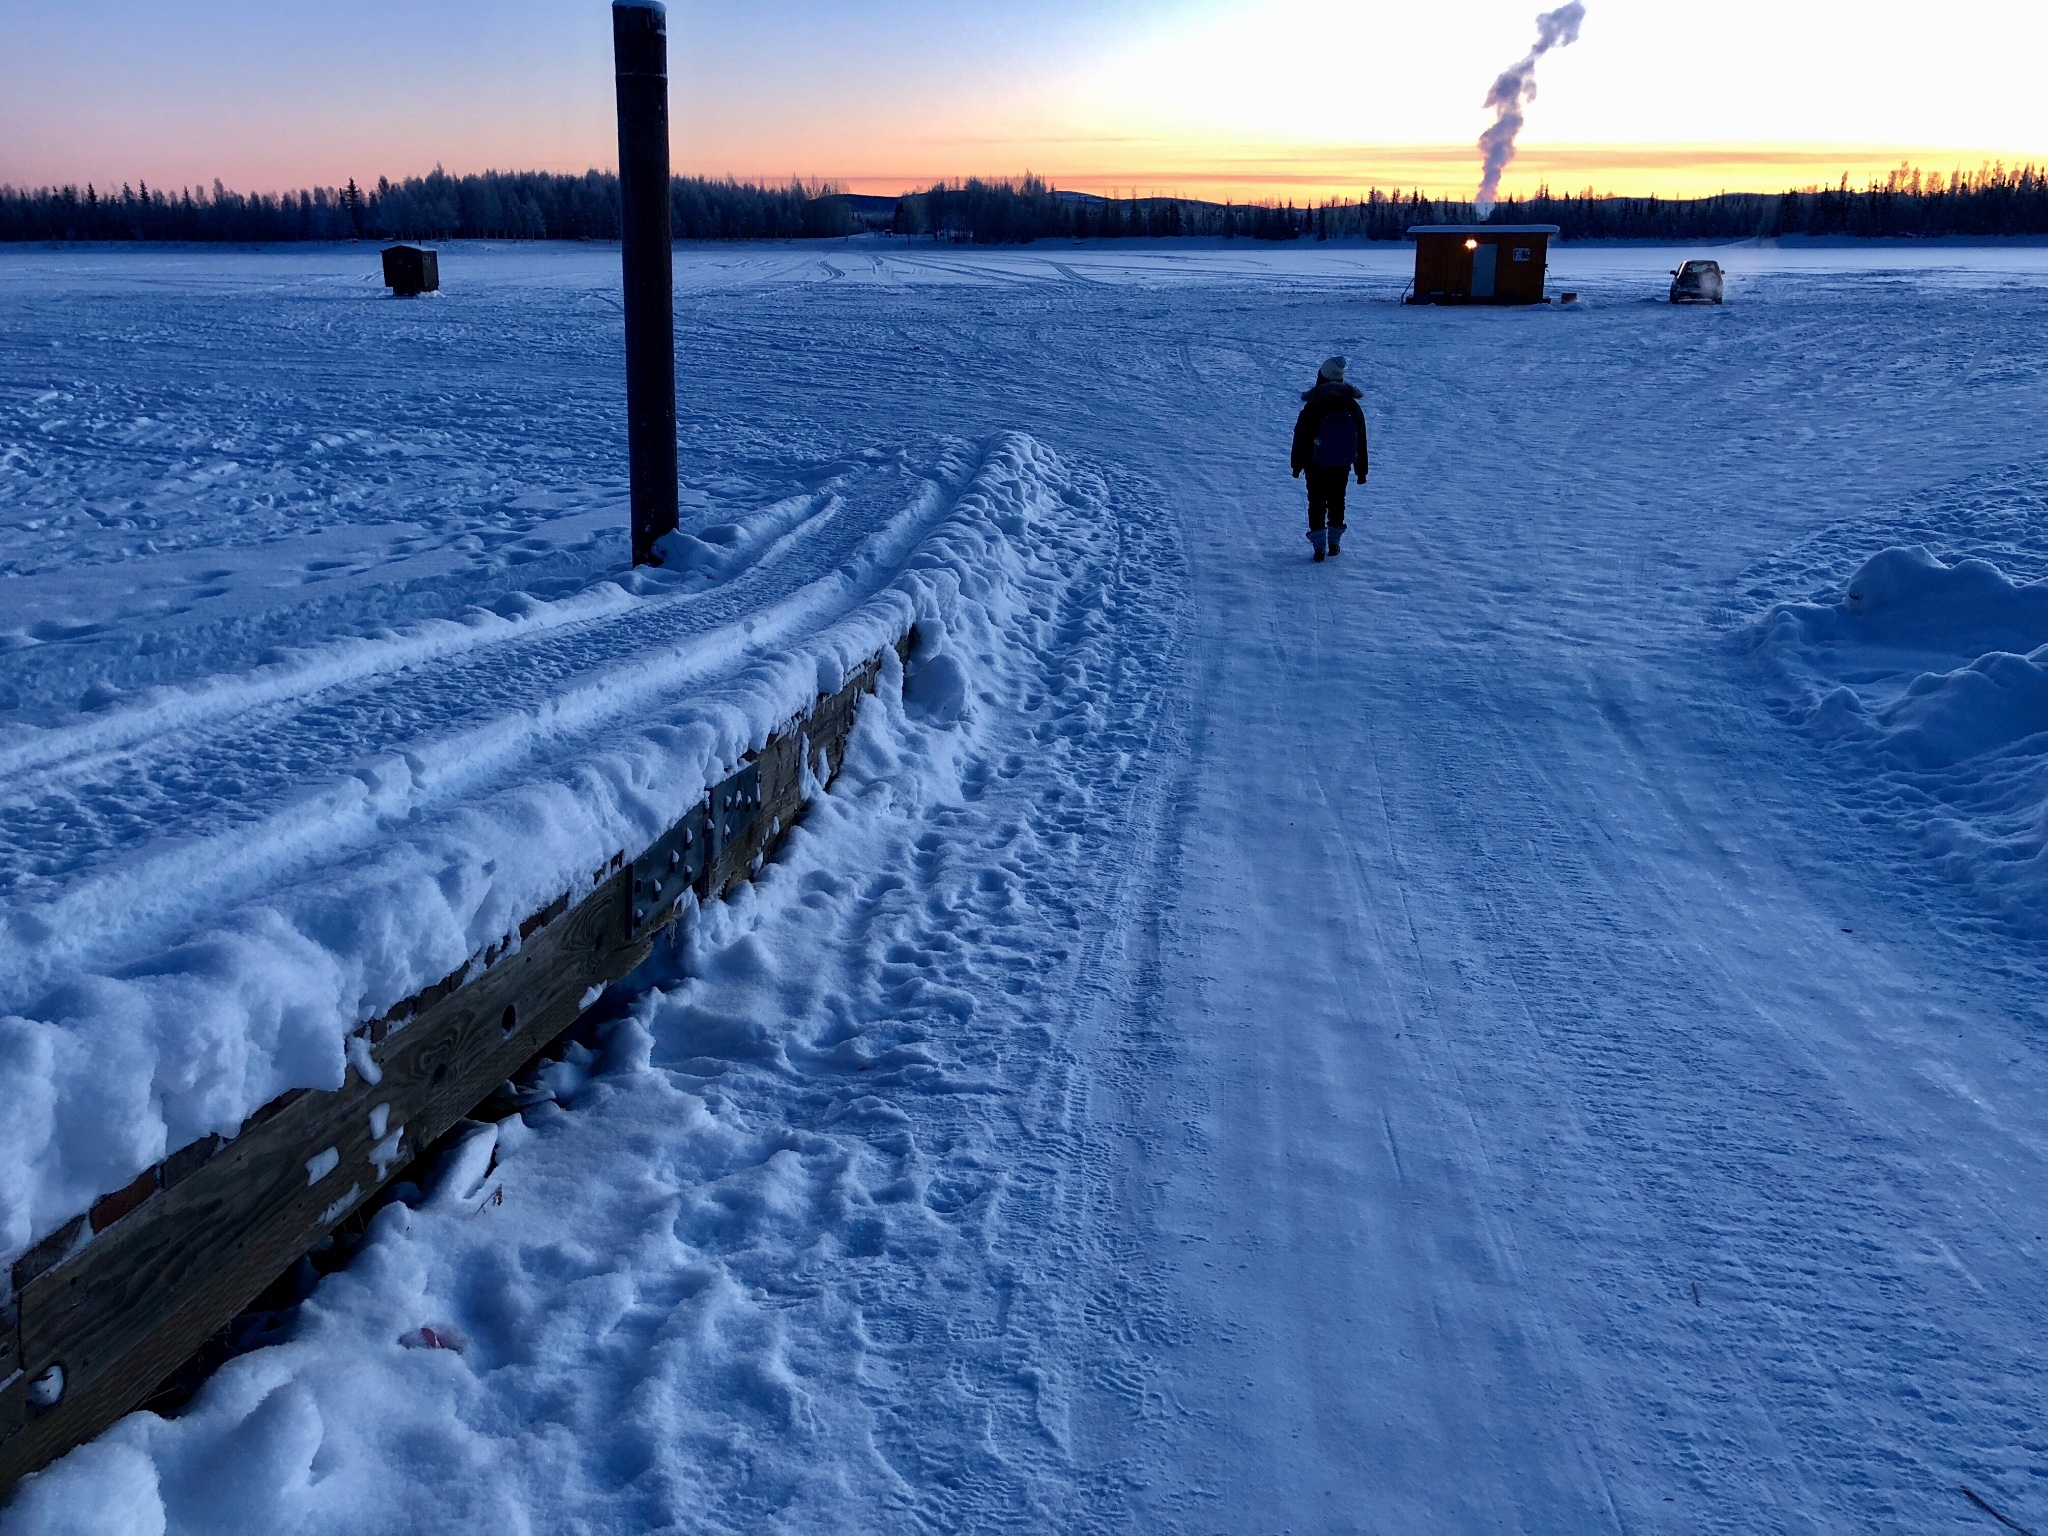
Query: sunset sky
x=1292 y=98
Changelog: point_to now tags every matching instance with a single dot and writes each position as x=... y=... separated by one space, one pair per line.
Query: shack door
x=1483 y=261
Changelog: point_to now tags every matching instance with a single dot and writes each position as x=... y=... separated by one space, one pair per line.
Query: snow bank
x=1930 y=680
x=650 y=1327
x=140 y=1018
x=1903 y=598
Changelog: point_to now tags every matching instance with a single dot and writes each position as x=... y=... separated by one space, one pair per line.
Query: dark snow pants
x=1326 y=497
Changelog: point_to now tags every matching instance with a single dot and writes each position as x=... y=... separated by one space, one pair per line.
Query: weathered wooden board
x=149 y=1291
x=192 y=1242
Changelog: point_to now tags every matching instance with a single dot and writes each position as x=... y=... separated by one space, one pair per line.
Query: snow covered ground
x=1533 y=1026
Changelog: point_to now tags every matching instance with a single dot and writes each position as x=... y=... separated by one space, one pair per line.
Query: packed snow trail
x=1553 y=1041
x=235 y=753
x=1431 y=1042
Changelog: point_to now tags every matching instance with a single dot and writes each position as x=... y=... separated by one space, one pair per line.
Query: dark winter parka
x=1330 y=431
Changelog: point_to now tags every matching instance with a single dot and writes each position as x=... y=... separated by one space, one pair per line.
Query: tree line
x=1907 y=204
x=1014 y=212
x=493 y=205
x=538 y=205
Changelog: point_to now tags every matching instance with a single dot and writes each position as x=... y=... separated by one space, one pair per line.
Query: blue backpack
x=1336 y=441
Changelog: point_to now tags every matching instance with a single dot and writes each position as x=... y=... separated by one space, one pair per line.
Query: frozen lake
x=1535 y=1025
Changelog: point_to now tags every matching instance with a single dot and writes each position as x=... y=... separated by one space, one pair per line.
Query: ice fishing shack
x=1480 y=263
x=410 y=271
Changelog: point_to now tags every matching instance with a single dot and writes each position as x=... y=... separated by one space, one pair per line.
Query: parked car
x=1697 y=282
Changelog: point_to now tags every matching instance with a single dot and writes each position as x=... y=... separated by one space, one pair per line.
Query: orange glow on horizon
x=1204 y=98
x=1228 y=173
x=1318 y=173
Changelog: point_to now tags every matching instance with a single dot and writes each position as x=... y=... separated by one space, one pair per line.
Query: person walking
x=1329 y=443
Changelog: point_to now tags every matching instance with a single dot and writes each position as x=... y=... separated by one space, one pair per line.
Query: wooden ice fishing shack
x=1480 y=263
x=410 y=271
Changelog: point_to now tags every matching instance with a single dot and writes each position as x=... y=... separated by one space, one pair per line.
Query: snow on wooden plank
x=119 y=1299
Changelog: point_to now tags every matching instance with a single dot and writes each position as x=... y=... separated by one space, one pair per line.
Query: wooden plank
x=142 y=1297
x=13 y=1417
x=193 y=1241
x=733 y=814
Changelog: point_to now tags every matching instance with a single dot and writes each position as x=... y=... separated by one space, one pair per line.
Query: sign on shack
x=1480 y=263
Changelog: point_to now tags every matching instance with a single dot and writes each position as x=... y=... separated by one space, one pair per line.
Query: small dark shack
x=1480 y=263
x=410 y=271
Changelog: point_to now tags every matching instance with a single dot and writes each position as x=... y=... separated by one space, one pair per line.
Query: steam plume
x=1517 y=85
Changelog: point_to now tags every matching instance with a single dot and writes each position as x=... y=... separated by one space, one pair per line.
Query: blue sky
x=1220 y=95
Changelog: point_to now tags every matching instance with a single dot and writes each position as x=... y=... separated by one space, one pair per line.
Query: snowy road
x=1443 y=1041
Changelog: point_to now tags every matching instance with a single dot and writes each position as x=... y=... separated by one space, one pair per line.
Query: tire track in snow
x=161 y=726
x=403 y=747
x=1726 y=1157
x=1560 y=1011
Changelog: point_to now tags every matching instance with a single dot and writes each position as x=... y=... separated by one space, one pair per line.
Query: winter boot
x=1336 y=538
x=1320 y=539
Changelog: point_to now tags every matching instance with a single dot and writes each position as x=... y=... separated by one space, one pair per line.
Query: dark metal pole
x=640 y=50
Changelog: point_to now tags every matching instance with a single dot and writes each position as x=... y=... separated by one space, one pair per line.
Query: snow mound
x=1907 y=596
x=1996 y=701
x=1928 y=681
x=107 y=1488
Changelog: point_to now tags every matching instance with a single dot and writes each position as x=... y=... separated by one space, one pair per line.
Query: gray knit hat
x=1332 y=371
